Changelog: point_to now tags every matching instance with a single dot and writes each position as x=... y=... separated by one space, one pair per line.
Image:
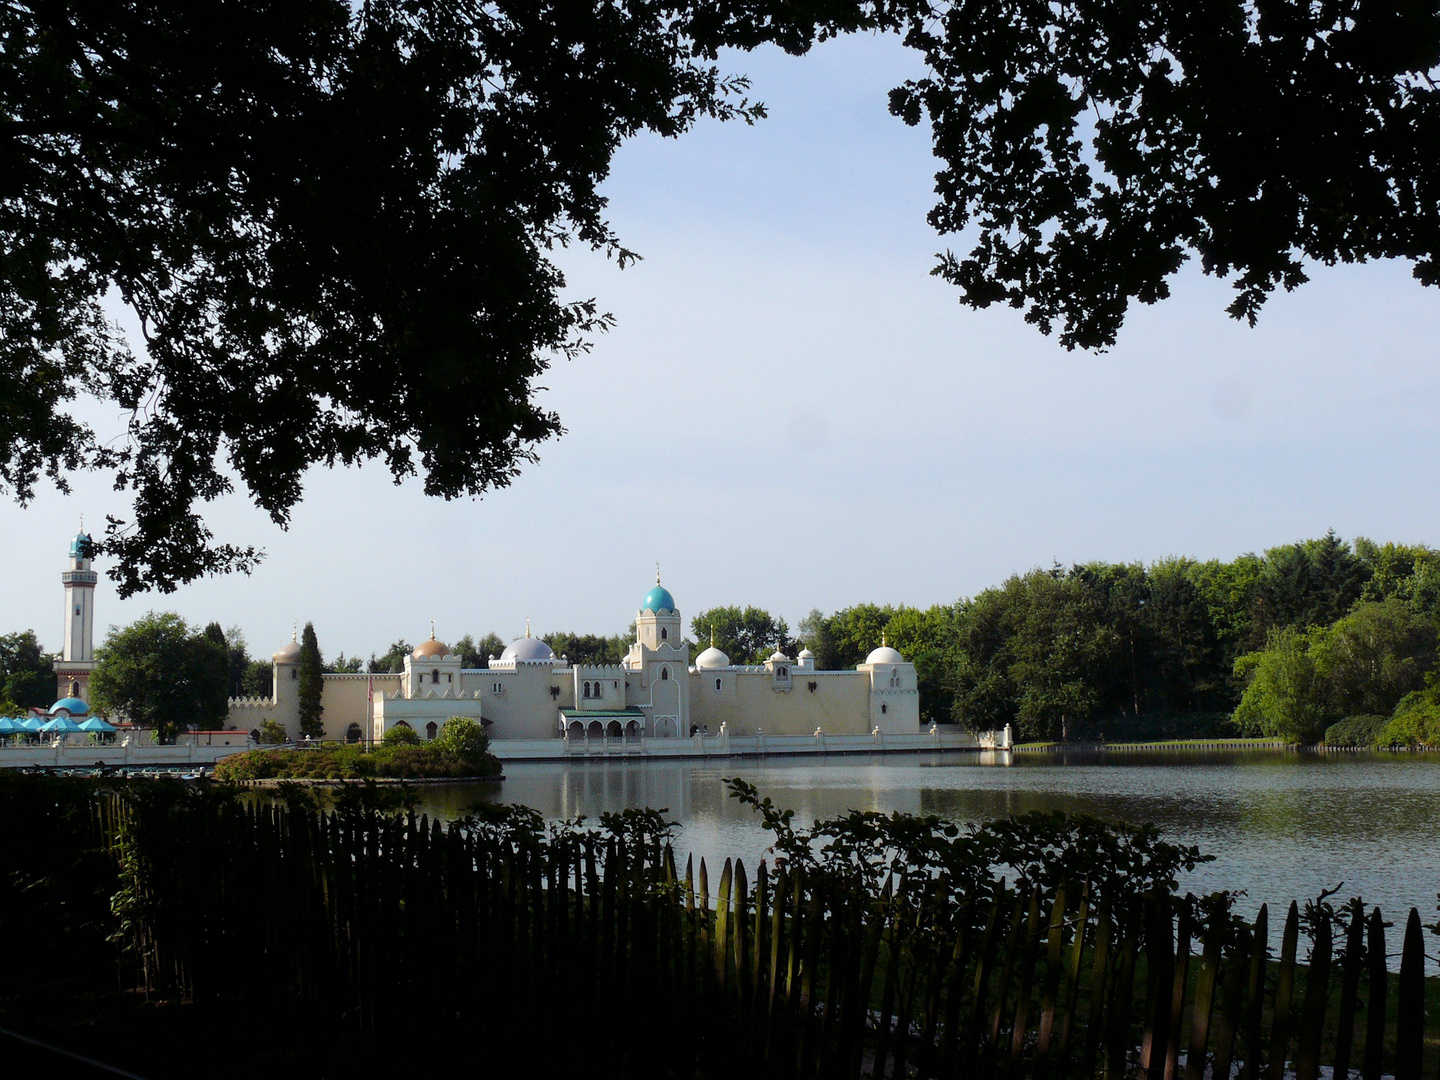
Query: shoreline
x=1155 y=744
x=378 y=781
x=1214 y=744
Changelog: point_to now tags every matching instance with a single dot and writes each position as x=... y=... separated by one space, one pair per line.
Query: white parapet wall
x=73 y=753
x=759 y=745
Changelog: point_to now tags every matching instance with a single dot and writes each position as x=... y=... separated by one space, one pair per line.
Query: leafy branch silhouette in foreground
x=333 y=224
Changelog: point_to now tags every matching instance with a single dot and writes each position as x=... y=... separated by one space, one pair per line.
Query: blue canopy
x=61 y=724
x=9 y=726
x=29 y=723
x=95 y=724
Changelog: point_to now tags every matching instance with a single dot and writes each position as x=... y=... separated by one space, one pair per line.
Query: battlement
x=251 y=703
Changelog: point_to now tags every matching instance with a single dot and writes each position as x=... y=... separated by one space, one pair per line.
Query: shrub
x=400 y=736
x=338 y=762
x=1416 y=721
x=463 y=740
x=272 y=733
x=1355 y=731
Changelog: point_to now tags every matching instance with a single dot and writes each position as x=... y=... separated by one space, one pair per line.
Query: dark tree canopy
x=158 y=673
x=332 y=221
x=27 y=674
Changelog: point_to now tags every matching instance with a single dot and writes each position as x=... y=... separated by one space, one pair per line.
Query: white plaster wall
x=747 y=701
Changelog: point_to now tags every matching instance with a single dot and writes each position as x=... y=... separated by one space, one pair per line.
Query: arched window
x=783 y=672
x=894 y=678
x=884 y=708
x=664 y=673
x=74 y=687
x=294 y=673
x=407 y=727
x=255 y=734
x=431 y=729
x=435 y=676
x=664 y=634
x=449 y=677
x=717 y=684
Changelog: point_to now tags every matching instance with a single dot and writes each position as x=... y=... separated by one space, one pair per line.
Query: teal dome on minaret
x=658 y=599
x=81 y=546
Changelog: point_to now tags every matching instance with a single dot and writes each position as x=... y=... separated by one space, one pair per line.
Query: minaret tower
x=77 y=658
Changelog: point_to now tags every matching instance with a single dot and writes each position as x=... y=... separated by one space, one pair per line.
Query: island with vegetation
x=460 y=752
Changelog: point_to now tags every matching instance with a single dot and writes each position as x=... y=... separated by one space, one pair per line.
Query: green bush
x=1416 y=721
x=463 y=740
x=400 y=736
x=1355 y=731
x=419 y=762
x=272 y=733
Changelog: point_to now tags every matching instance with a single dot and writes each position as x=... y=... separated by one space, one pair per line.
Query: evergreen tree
x=312 y=684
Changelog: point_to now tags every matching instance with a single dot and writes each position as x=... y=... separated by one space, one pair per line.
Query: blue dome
x=658 y=599
x=73 y=705
x=80 y=546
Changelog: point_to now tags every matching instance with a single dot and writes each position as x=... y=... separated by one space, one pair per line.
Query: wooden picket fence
x=593 y=952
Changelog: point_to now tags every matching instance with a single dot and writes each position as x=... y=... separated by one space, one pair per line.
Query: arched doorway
x=353 y=734
x=632 y=729
x=596 y=730
x=665 y=728
x=255 y=734
x=614 y=729
x=576 y=730
x=432 y=729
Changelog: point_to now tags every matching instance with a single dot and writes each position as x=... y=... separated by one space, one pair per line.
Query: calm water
x=1282 y=826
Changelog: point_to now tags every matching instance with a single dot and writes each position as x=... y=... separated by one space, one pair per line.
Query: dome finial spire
x=657 y=571
x=527 y=627
x=883 y=642
x=432 y=629
x=295 y=630
x=712 y=635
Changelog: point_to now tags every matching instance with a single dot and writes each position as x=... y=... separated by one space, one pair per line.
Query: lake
x=1282 y=825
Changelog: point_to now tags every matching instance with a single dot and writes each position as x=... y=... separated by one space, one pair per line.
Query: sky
x=791 y=412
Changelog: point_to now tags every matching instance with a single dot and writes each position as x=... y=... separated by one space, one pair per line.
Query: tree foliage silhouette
x=333 y=222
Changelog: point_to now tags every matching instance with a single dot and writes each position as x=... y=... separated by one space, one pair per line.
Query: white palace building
x=535 y=704
x=656 y=691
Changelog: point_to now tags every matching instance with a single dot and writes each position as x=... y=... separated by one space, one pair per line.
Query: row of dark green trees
x=360 y=943
x=1285 y=644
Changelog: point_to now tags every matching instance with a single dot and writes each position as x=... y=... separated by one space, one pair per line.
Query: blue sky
x=792 y=413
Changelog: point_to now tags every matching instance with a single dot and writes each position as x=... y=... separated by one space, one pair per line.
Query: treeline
x=1289 y=643
x=1285 y=644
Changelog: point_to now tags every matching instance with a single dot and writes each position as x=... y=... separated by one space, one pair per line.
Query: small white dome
x=806 y=654
x=528 y=648
x=289 y=653
x=884 y=655
x=712 y=658
x=778 y=657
